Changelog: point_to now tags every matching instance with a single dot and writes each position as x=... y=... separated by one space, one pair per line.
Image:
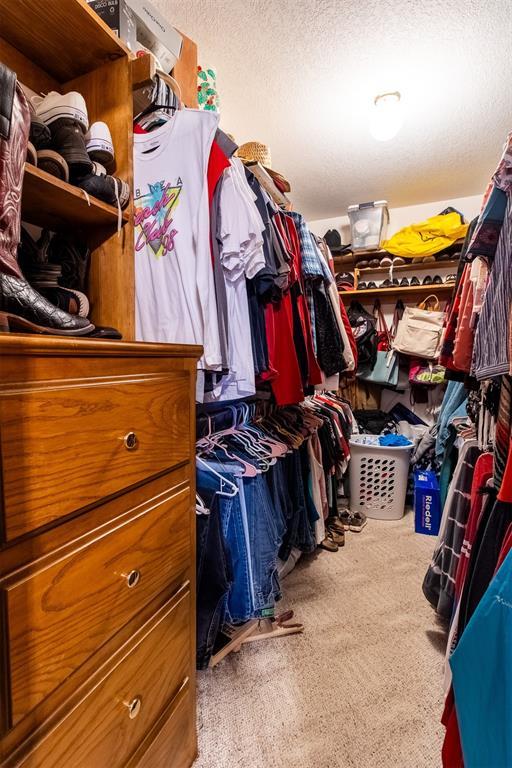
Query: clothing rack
x=208 y=422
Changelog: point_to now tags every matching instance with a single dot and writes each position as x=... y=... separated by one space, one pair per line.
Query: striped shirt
x=491 y=346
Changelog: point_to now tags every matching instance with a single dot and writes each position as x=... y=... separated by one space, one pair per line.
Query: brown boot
x=21 y=307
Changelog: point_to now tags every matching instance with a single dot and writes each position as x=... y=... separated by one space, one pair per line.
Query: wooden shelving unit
x=63 y=45
x=390 y=294
x=70 y=41
x=423 y=266
x=54 y=204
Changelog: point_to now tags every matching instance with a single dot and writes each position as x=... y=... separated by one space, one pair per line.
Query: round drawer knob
x=132 y=578
x=130 y=441
x=134 y=706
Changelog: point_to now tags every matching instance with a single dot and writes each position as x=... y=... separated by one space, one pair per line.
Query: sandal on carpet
x=358 y=521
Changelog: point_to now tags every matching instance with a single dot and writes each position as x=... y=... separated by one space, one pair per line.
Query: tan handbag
x=420 y=330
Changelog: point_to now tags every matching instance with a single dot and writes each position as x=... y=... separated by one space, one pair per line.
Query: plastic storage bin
x=378 y=477
x=368 y=225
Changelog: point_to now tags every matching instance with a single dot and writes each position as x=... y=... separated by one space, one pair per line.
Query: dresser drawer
x=65 y=447
x=61 y=609
x=174 y=746
x=125 y=699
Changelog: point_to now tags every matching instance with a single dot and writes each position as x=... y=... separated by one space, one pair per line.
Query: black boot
x=24 y=309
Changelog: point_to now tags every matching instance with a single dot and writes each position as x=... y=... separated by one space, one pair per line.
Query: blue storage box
x=427 y=502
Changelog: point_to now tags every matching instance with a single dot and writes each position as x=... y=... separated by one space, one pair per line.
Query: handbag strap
x=380 y=319
x=425 y=304
x=397 y=316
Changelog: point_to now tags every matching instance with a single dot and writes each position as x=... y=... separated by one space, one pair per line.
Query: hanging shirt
x=174 y=286
x=241 y=255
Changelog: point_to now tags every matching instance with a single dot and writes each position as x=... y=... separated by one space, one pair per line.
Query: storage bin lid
x=372 y=204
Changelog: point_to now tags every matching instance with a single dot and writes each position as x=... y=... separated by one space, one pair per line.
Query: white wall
x=401 y=217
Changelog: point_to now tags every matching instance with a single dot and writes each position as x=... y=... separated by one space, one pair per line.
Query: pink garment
x=464 y=334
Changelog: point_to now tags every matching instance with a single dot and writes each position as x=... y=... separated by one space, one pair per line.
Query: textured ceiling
x=301 y=75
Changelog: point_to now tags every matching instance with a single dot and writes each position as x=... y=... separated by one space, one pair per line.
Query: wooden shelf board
x=397 y=291
x=427 y=266
x=66 y=39
x=52 y=203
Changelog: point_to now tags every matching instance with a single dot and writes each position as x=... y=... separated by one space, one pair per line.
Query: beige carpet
x=360 y=689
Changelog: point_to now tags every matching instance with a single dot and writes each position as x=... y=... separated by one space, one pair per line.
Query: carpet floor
x=361 y=688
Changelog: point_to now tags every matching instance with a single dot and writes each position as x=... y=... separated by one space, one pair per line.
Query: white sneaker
x=99 y=143
x=56 y=105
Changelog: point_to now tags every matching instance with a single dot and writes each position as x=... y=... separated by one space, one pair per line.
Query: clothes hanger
x=201 y=508
x=233 y=490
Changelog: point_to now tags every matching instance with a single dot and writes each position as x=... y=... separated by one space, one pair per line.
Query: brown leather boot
x=21 y=307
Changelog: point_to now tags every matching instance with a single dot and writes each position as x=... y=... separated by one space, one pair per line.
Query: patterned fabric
x=312 y=264
x=490 y=353
x=446 y=356
x=503 y=429
x=439 y=581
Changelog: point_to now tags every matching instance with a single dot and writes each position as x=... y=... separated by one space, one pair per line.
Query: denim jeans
x=214 y=579
x=265 y=540
x=233 y=514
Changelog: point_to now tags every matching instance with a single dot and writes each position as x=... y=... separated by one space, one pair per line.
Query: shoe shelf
x=396 y=292
x=413 y=266
x=54 y=204
x=65 y=38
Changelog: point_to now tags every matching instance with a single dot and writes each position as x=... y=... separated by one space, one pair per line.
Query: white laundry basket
x=378 y=477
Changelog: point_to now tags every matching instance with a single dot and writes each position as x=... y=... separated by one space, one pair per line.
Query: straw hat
x=255 y=152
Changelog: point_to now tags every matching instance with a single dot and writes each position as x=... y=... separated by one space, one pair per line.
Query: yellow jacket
x=431 y=236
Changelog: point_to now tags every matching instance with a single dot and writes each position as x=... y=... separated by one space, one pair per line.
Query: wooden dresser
x=97 y=560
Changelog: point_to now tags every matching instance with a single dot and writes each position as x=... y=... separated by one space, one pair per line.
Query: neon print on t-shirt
x=153 y=217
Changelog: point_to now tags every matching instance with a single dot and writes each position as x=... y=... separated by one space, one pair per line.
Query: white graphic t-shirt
x=174 y=287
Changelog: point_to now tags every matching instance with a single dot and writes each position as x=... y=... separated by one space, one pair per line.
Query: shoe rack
x=63 y=45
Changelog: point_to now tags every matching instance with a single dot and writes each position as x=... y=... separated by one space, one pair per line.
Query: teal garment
x=448 y=465
x=481 y=667
x=455 y=396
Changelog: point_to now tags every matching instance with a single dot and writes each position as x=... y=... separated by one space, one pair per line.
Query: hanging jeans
x=236 y=534
x=214 y=579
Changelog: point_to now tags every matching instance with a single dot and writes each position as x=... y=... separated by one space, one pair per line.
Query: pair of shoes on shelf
x=392 y=261
x=67 y=148
x=438 y=280
x=366 y=286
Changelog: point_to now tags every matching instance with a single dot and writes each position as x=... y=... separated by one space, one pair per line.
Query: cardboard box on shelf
x=119 y=17
x=156 y=34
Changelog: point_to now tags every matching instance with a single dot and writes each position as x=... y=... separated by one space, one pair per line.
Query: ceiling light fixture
x=387 y=116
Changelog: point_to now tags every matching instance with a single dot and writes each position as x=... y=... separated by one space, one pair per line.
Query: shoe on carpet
x=99 y=143
x=338 y=538
x=357 y=521
x=345 y=517
x=55 y=106
x=329 y=544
